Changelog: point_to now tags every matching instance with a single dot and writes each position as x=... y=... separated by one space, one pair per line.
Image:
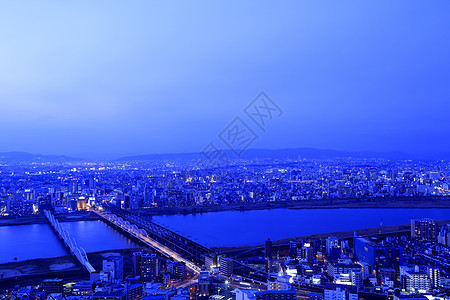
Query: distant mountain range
x=30 y=157
x=293 y=153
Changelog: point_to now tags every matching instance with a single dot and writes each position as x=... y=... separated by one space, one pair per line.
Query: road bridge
x=183 y=246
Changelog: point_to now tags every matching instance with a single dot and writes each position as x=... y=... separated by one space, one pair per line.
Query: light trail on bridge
x=172 y=244
x=150 y=242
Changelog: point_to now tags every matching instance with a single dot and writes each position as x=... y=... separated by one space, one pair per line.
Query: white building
x=339 y=294
x=414 y=280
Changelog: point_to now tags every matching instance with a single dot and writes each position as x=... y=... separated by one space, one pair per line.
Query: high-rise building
x=435 y=276
x=342 y=266
x=210 y=261
x=272 y=265
x=149 y=267
x=444 y=235
x=268 y=249
x=424 y=229
x=226 y=266
x=180 y=270
x=293 y=248
x=307 y=253
x=332 y=242
x=136 y=262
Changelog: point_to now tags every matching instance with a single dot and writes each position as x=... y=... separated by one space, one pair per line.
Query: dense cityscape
x=29 y=188
x=413 y=263
x=224 y=150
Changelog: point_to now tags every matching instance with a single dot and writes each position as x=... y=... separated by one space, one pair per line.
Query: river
x=213 y=229
x=239 y=228
x=39 y=241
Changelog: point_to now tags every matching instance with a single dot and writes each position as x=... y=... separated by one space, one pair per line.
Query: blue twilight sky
x=136 y=77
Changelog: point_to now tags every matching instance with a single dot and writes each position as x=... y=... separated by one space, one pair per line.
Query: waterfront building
x=423 y=230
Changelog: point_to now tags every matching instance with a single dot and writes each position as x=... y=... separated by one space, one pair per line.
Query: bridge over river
x=172 y=244
x=70 y=242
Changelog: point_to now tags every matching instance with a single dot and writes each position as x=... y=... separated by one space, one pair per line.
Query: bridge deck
x=143 y=236
x=184 y=247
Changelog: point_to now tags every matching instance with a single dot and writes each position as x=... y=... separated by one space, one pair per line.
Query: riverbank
x=41 y=219
x=34 y=271
x=374 y=202
x=386 y=230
